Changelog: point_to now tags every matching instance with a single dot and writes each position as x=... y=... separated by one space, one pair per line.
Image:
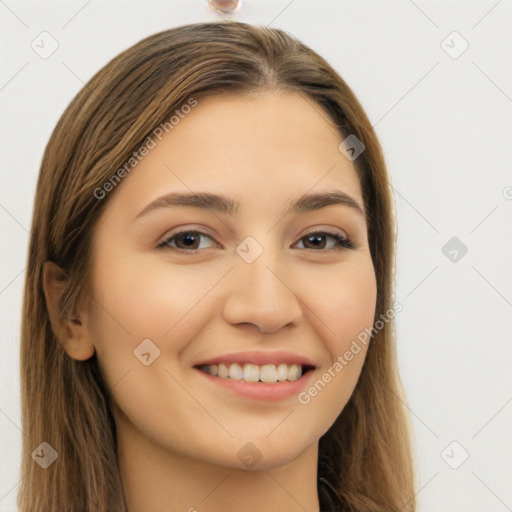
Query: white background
x=445 y=125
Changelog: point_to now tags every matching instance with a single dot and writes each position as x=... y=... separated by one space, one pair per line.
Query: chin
x=261 y=454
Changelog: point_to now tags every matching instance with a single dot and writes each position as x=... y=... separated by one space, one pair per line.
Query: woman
x=257 y=371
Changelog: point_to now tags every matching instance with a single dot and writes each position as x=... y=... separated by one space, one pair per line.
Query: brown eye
x=316 y=241
x=189 y=241
x=184 y=240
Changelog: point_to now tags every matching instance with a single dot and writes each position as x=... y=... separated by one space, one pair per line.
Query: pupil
x=315 y=237
x=189 y=238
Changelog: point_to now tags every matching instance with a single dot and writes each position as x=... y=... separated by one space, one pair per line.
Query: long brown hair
x=365 y=459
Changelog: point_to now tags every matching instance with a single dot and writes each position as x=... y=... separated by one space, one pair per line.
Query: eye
x=186 y=238
x=315 y=239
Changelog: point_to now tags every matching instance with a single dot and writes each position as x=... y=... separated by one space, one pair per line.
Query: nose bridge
x=262 y=293
x=262 y=277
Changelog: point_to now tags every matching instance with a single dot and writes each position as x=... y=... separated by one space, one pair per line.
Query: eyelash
x=342 y=242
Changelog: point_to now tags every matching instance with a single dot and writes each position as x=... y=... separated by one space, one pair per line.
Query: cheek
x=138 y=300
x=347 y=307
x=347 y=304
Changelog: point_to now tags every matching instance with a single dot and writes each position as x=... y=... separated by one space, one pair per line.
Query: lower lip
x=264 y=391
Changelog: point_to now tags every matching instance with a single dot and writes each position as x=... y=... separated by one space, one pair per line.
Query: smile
x=249 y=372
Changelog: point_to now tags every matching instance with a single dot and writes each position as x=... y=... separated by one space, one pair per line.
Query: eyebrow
x=230 y=207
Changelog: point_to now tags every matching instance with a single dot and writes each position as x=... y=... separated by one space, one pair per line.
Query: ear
x=71 y=332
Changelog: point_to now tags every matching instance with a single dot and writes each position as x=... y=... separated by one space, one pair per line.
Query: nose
x=263 y=295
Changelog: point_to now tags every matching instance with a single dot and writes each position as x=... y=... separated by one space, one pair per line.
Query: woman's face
x=260 y=284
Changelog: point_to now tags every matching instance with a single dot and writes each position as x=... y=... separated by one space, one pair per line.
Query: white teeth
x=282 y=372
x=235 y=372
x=294 y=372
x=222 y=370
x=251 y=373
x=254 y=373
x=268 y=373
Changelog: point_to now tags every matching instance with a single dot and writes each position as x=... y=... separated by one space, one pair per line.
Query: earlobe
x=71 y=332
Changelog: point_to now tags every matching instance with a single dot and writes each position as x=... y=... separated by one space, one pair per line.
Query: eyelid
x=203 y=230
x=326 y=229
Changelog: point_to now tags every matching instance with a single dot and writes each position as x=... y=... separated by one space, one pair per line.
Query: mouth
x=249 y=372
x=261 y=376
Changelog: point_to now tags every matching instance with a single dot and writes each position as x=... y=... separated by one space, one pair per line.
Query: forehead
x=265 y=148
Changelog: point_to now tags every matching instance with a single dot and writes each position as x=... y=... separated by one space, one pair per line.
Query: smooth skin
x=179 y=434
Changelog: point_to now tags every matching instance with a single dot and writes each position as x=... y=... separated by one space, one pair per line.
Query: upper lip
x=260 y=358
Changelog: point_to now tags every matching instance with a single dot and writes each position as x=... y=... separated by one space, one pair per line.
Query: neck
x=158 y=479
